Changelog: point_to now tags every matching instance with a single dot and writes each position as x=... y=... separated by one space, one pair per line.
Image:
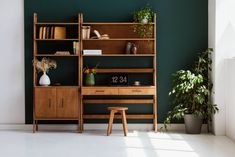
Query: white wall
x=12 y=106
x=230 y=97
x=222 y=39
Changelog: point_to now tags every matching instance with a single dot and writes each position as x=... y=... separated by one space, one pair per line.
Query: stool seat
x=118 y=108
x=114 y=110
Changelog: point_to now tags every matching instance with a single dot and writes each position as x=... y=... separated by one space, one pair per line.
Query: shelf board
x=105 y=116
x=118 y=101
x=120 y=55
x=113 y=70
x=53 y=55
x=56 y=86
x=57 y=23
x=113 y=23
x=56 y=39
x=121 y=39
x=119 y=87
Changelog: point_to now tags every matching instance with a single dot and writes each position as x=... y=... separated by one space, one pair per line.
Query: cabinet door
x=67 y=103
x=45 y=102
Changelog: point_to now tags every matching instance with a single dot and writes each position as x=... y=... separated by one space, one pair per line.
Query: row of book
x=52 y=32
x=92 y=52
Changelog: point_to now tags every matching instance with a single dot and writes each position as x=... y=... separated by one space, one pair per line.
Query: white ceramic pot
x=144 y=21
x=44 y=80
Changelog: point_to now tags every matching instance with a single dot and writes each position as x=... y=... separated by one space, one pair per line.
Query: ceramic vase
x=90 y=79
x=44 y=80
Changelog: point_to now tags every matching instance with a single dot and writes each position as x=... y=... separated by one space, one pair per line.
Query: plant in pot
x=44 y=66
x=143 y=18
x=90 y=75
x=191 y=92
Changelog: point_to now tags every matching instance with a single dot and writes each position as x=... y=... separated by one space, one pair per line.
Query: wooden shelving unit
x=120 y=33
x=67 y=101
x=56 y=102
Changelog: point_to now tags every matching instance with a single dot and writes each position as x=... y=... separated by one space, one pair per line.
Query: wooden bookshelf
x=119 y=34
x=57 y=102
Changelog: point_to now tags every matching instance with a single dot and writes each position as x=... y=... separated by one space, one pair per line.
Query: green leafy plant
x=191 y=91
x=143 y=18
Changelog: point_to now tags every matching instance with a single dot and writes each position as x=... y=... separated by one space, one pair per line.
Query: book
x=59 y=33
x=44 y=33
x=48 y=33
x=92 y=52
x=52 y=33
x=76 y=47
x=40 y=32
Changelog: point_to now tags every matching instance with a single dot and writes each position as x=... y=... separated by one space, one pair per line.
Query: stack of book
x=92 y=52
x=52 y=33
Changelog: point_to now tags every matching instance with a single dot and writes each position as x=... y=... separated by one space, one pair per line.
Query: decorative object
x=44 y=66
x=90 y=77
x=86 y=32
x=119 y=80
x=143 y=18
x=134 y=49
x=44 y=80
x=128 y=47
x=64 y=53
x=99 y=36
x=191 y=92
x=137 y=83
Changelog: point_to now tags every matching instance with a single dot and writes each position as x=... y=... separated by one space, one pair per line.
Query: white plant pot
x=144 y=21
x=44 y=80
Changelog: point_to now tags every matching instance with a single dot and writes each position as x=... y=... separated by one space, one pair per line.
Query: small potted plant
x=44 y=66
x=90 y=77
x=143 y=18
x=191 y=93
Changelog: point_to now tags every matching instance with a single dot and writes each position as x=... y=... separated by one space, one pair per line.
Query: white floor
x=97 y=144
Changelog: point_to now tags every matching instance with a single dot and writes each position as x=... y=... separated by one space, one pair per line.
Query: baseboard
x=141 y=127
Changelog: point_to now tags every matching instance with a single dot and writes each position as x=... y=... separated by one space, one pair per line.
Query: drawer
x=99 y=91
x=136 y=91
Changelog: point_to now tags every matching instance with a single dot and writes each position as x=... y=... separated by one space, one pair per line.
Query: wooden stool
x=114 y=110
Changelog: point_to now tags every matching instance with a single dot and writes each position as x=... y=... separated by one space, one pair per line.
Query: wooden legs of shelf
x=81 y=126
x=35 y=126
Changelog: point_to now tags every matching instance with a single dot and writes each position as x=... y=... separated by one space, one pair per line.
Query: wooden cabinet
x=45 y=102
x=57 y=103
x=67 y=103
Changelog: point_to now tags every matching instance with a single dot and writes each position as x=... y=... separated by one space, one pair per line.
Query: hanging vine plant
x=144 y=18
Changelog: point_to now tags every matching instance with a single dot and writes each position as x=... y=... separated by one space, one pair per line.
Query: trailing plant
x=44 y=65
x=143 y=18
x=191 y=91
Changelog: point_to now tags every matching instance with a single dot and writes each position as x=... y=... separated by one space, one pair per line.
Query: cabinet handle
x=99 y=91
x=62 y=103
x=136 y=90
x=49 y=104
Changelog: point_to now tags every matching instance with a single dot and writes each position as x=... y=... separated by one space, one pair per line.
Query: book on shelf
x=59 y=33
x=92 y=52
x=76 y=47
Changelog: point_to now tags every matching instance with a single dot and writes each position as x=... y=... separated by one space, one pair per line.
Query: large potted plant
x=191 y=92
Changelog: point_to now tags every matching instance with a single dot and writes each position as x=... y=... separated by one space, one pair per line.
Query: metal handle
x=136 y=90
x=62 y=103
x=49 y=104
x=99 y=91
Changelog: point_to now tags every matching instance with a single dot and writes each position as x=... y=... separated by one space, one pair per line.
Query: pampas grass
x=44 y=65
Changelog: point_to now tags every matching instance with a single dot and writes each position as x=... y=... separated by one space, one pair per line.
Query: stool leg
x=109 y=130
x=124 y=123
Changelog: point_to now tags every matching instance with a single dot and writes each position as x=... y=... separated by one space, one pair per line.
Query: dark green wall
x=182 y=27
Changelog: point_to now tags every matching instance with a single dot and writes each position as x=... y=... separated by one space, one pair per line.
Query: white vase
x=44 y=80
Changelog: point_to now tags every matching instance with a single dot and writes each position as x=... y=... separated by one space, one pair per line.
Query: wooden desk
x=119 y=91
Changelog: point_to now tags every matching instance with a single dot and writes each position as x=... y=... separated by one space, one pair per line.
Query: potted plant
x=90 y=77
x=143 y=18
x=191 y=92
x=44 y=66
